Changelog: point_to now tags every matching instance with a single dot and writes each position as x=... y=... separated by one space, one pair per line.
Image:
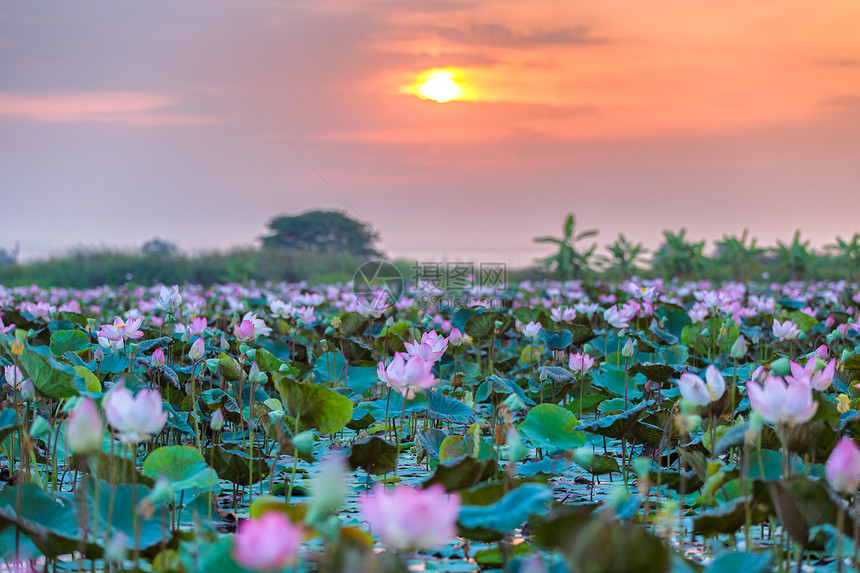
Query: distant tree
x=624 y=256
x=847 y=253
x=796 y=259
x=323 y=232
x=158 y=248
x=678 y=257
x=9 y=257
x=569 y=262
x=737 y=254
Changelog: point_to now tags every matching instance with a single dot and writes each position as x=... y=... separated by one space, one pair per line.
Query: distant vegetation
x=318 y=246
x=327 y=246
x=737 y=258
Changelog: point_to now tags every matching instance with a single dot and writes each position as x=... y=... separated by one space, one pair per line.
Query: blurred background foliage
x=283 y=258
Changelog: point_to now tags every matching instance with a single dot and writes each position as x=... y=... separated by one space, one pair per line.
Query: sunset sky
x=198 y=121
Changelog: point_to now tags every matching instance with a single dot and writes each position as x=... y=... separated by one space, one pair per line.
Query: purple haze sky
x=198 y=121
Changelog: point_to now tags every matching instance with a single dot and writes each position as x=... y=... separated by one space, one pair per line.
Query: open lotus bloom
x=407 y=374
x=843 y=466
x=135 y=418
x=431 y=347
x=268 y=543
x=702 y=392
x=810 y=374
x=581 y=363
x=410 y=518
x=785 y=330
x=84 y=429
x=781 y=403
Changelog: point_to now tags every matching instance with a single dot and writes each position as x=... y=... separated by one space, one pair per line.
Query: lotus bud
x=198 y=350
x=627 y=351
x=739 y=348
x=224 y=344
x=217 y=420
x=843 y=466
x=28 y=391
x=516 y=450
x=642 y=467
x=583 y=456
x=186 y=336
x=514 y=403
x=304 y=441
x=162 y=491
x=329 y=489
x=117 y=547
x=99 y=354
x=256 y=376
x=456 y=337
x=158 y=359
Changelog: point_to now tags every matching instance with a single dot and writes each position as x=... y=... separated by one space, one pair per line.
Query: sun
x=440 y=86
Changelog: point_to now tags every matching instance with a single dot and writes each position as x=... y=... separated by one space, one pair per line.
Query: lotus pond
x=642 y=426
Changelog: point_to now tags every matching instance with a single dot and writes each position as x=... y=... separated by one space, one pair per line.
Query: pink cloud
x=135 y=108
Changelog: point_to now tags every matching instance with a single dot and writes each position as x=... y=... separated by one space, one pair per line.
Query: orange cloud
x=135 y=108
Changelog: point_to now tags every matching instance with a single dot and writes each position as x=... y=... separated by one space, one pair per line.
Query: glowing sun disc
x=441 y=87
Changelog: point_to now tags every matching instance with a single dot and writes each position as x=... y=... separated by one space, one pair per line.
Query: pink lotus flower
x=407 y=376
x=617 y=318
x=455 y=337
x=158 y=360
x=531 y=329
x=785 y=331
x=820 y=380
x=4 y=329
x=431 y=347
x=581 y=363
x=562 y=314
x=109 y=344
x=14 y=378
x=197 y=326
x=121 y=329
x=84 y=429
x=169 y=298
x=305 y=314
x=779 y=403
x=244 y=331
x=268 y=543
x=135 y=418
x=702 y=392
x=409 y=518
x=843 y=466
x=375 y=307
x=259 y=324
